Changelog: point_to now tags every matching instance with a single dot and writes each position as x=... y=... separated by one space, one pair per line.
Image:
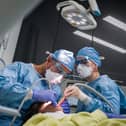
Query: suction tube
x=96 y=93
x=9 y=111
x=25 y=99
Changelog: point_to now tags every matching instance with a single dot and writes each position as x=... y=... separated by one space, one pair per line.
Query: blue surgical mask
x=84 y=71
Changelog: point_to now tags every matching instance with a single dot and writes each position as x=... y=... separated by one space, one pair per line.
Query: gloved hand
x=75 y=91
x=65 y=106
x=44 y=96
x=111 y=115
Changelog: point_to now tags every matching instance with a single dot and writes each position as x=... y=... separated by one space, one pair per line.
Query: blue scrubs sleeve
x=109 y=89
x=11 y=91
x=113 y=99
x=11 y=87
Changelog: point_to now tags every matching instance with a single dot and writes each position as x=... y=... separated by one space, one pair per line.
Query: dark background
x=43 y=29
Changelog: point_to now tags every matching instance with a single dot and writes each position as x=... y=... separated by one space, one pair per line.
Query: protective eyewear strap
x=60 y=68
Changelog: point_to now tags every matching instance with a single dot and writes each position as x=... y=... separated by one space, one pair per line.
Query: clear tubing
x=96 y=93
x=26 y=98
x=10 y=111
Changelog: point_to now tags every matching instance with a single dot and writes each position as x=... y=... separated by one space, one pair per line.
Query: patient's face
x=46 y=107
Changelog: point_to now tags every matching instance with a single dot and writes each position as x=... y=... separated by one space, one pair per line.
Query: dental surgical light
x=77 y=15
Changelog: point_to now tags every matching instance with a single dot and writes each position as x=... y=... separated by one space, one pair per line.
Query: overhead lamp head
x=77 y=15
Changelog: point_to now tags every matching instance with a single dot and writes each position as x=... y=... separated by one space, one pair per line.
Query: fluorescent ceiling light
x=115 y=22
x=100 y=41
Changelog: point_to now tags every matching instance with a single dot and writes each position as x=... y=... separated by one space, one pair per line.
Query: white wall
x=12 y=12
x=8 y=53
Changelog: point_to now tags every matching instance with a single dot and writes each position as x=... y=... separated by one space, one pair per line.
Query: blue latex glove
x=111 y=115
x=65 y=106
x=44 y=96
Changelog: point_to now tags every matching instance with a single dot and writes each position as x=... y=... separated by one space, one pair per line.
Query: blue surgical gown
x=110 y=90
x=15 y=80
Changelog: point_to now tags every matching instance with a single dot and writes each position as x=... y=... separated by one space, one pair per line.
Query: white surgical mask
x=84 y=71
x=53 y=77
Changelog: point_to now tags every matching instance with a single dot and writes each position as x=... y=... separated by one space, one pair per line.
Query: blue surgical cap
x=91 y=54
x=65 y=57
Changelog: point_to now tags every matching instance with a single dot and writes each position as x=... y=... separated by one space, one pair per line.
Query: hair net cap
x=65 y=57
x=91 y=54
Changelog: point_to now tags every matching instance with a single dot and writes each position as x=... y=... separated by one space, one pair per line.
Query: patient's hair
x=32 y=110
x=40 y=107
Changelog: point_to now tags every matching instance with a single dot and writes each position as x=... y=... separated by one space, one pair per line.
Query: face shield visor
x=56 y=72
x=59 y=68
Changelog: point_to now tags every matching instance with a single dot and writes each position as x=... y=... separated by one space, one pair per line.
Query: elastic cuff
x=84 y=98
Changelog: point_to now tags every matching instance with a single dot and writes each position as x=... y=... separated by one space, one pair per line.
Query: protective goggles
x=59 y=67
x=82 y=61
